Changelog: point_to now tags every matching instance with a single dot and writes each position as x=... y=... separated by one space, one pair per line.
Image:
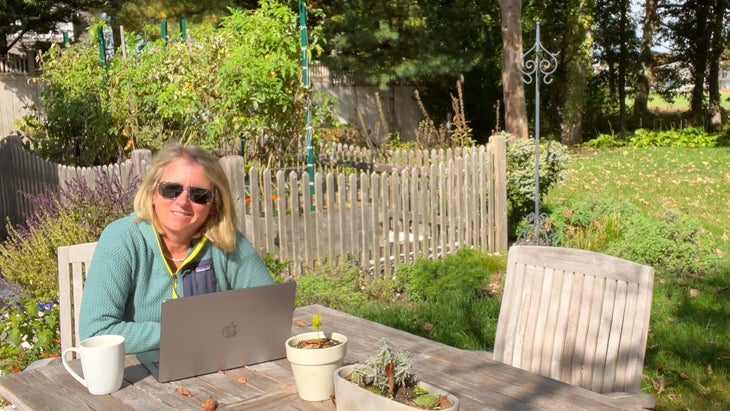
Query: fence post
x=233 y=167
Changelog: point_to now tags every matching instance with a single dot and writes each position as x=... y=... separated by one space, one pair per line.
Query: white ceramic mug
x=102 y=363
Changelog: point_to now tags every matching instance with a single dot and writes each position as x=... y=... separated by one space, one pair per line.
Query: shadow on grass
x=689 y=343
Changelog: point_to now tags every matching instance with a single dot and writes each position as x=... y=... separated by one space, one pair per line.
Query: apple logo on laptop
x=229 y=330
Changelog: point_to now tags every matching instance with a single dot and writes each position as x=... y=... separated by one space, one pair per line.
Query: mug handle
x=68 y=368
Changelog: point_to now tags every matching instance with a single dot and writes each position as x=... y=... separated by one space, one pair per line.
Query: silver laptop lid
x=219 y=331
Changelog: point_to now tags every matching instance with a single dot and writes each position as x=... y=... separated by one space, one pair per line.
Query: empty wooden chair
x=577 y=316
x=73 y=263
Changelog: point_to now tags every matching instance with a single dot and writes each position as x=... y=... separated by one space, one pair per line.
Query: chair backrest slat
x=578 y=316
x=73 y=262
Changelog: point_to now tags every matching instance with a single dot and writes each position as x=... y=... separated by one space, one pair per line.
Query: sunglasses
x=197 y=195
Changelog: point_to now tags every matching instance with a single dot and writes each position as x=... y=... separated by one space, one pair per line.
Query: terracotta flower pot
x=314 y=368
x=351 y=397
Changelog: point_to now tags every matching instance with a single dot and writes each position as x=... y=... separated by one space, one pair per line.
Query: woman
x=181 y=240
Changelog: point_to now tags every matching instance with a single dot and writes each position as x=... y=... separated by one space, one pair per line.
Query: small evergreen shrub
x=467 y=271
x=554 y=159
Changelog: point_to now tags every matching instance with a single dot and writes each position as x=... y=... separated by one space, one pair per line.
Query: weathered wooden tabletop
x=478 y=382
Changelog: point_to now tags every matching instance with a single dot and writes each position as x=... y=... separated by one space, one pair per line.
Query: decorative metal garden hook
x=537 y=70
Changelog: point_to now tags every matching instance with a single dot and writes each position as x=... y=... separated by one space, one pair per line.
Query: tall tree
x=718 y=45
x=515 y=109
x=39 y=16
x=404 y=41
x=698 y=34
x=618 y=48
x=645 y=75
x=565 y=31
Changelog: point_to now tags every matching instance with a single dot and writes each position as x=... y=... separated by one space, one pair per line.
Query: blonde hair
x=220 y=227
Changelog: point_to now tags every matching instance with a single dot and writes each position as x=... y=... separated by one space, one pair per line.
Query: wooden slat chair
x=577 y=316
x=73 y=262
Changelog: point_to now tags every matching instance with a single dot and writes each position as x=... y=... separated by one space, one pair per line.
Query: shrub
x=30 y=333
x=28 y=256
x=240 y=80
x=590 y=224
x=674 y=245
x=465 y=272
x=554 y=159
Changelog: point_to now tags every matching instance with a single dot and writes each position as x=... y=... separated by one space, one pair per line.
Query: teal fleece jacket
x=128 y=278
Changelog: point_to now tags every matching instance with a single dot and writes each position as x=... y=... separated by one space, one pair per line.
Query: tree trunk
x=699 y=64
x=515 y=109
x=713 y=81
x=622 y=63
x=646 y=72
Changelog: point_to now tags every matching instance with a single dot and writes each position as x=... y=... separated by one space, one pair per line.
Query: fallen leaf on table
x=184 y=391
x=241 y=379
x=208 y=405
x=301 y=323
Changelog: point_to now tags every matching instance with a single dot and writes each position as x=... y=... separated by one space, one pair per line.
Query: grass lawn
x=681 y=102
x=687 y=365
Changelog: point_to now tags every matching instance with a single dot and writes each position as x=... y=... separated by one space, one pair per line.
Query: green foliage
x=684 y=137
x=29 y=258
x=239 y=81
x=466 y=271
x=276 y=268
x=554 y=159
x=77 y=128
x=334 y=285
x=30 y=332
x=385 y=365
x=673 y=244
x=676 y=246
x=590 y=224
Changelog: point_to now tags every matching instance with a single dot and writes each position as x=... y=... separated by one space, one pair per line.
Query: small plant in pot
x=386 y=381
x=314 y=356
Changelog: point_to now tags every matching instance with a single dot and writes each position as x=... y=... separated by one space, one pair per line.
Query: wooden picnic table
x=478 y=382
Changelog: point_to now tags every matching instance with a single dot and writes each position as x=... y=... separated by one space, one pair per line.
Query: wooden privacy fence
x=431 y=203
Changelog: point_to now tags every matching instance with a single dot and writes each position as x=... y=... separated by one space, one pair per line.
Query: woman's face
x=180 y=217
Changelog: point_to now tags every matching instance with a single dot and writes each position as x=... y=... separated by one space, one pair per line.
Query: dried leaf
x=390 y=372
x=658 y=384
x=444 y=402
x=241 y=379
x=209 y=404
x=300 y=323
x=184 y=391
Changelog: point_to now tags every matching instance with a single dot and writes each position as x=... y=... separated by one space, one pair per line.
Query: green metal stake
x=65 y=39
x=183 y=31
x=163 y=30
x=305 y=83
x=102 y=52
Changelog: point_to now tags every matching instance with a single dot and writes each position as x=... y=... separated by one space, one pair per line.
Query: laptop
x=218 y=331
